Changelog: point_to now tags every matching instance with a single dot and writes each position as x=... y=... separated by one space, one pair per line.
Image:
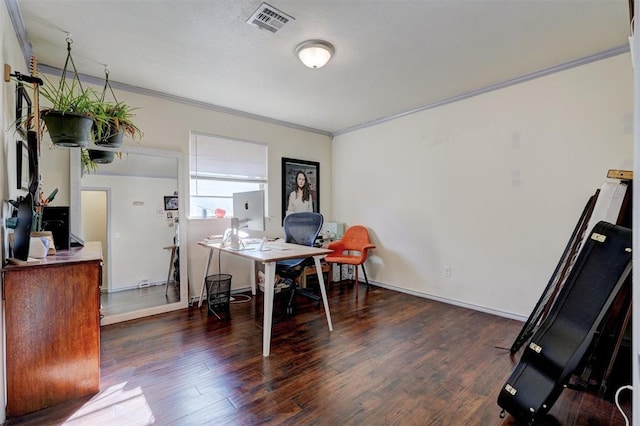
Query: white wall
x=490 y=186
x=136 y=208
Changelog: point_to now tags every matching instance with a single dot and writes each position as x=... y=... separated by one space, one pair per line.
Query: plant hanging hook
x=107 y=84
x=66 y=64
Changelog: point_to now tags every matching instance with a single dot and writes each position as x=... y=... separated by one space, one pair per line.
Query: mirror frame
x=75 y=187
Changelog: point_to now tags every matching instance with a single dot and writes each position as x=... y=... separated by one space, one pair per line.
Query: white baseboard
x=193 y=299
x=453 y=302
x=137 y=286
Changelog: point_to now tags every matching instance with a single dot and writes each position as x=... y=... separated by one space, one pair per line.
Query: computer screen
x=56 y=220
x=248 y=208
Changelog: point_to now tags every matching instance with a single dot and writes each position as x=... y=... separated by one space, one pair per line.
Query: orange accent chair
x=351 y=250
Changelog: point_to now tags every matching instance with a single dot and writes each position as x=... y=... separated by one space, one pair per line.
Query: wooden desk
x=52 y=328
x=277 y=251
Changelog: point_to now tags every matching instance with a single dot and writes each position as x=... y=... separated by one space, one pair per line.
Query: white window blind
x=226 y=158
x=221 y=166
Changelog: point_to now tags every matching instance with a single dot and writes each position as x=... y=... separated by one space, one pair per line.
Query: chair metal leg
x=357 y=284
x=364 y=271
x=289 y=308
x=309 y=295
x=302 y=291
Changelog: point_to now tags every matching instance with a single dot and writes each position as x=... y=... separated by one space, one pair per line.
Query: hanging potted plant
x=91 y=158
x=112 y=122
x=88 y=165
x=101 y=157
x=70 y=118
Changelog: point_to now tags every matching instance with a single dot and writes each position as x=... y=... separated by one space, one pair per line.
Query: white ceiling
x=392 y=56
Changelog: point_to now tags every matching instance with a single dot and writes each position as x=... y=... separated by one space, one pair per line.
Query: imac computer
x=248 y=215
x=248 y=208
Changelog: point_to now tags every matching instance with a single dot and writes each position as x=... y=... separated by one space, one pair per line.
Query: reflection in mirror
x=122 y=205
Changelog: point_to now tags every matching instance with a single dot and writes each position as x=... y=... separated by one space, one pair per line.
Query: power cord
x=236 y=298
x=626 y=419
x=240 y=298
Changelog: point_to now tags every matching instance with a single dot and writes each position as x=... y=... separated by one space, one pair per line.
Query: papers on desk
x=277 y=246
x=252 y=240
x=249 y=243
x=271 y=245
x=29 y=261
x=214 y=239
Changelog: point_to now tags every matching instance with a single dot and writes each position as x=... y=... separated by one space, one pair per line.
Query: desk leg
x=204 y=278
x=323 y=290
x=171 y=260
x=270 y=276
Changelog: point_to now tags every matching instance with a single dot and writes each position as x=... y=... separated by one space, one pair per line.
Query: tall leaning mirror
x=129 y=204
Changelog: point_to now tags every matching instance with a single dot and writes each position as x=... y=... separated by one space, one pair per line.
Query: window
x=218 y=167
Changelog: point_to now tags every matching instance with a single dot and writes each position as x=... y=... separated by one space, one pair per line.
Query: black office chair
x=299 y=228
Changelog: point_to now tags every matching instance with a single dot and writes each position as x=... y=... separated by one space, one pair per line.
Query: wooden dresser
x=52 y=329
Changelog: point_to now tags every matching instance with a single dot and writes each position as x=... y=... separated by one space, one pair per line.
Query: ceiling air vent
x=267 y=17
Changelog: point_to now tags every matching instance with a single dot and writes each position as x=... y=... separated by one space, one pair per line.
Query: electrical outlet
x=446 y=271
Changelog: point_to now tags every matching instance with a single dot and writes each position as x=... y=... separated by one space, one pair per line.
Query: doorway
x=94 y=225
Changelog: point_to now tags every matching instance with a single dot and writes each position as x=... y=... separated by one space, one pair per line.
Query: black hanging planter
x=68 y=130
x=113 y=139
x=70 y=118
x=101 y=157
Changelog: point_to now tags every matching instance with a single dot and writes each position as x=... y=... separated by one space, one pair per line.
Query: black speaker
x=56 y=220
x=23 y=228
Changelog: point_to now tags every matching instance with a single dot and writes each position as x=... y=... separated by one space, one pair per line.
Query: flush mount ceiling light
x=314 y=53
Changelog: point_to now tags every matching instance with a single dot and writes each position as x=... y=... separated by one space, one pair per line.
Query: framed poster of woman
x=300 y=186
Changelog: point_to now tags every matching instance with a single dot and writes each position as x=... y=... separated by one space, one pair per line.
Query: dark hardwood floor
x=392 y=359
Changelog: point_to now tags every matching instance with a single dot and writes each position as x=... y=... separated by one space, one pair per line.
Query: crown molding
x=21 y=32
x=518 y=80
